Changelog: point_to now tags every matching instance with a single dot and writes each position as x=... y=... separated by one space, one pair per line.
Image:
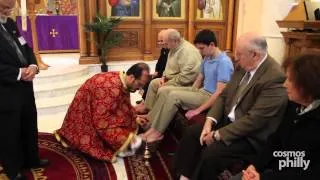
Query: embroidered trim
x=124 y=145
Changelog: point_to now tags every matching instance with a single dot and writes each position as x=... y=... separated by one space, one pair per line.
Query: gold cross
x=54 y=33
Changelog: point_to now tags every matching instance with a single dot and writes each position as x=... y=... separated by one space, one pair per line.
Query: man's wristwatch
x=38 y=70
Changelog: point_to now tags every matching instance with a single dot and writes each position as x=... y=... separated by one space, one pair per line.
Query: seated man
x=244 y=115
x=293 y=150
x=182 y=67
x=215 y=72
x=100 y=120
x=162 y=60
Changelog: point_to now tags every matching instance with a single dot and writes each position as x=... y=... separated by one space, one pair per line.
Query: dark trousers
x=145 y=90
x=146 y=86
x=19 y=135
x=207 y=162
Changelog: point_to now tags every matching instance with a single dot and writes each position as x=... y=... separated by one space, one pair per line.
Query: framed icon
x=168 y=9
x=210 y=10
x=128 y=9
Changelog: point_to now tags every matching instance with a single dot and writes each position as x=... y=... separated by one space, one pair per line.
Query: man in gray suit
x=239 y=122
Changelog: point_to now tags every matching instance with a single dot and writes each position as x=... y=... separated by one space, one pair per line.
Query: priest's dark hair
x=137 y=69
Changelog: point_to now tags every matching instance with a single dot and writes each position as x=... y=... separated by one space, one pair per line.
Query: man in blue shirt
x=216 y=71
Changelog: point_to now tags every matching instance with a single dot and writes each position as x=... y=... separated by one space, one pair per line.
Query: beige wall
x=260 y=16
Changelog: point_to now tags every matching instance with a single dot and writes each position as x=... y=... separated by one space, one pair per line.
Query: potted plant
x=106 y=37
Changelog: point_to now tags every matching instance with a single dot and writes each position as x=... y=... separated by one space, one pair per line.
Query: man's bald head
x=173 y=34
x=251 y=48
x=6 y=8
x=253 y=41
x=162 y=34
x=161 y=38
x=173 y=38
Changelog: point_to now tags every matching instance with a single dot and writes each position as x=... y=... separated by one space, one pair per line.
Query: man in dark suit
x=239 y=122
x=18 y=114
x=162 y=61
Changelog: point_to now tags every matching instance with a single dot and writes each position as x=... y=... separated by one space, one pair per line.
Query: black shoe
x=41 y=163
x=19 y=176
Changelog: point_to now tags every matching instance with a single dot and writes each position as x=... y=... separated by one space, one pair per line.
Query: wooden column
x=235 y=25
x=88 y=51
x=230 y=21
x=147 y=56
x=102 y=6
x=81 y=22
x=31 y=13
x=191 y=17
x=92 y=15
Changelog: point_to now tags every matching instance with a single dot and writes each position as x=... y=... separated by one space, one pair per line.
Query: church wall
x=260 y=16
x=140 y=33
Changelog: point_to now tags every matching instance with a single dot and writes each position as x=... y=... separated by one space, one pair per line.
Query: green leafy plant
x=106 y=37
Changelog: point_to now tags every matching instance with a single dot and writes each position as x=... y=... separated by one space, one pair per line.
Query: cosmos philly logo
x=292 y=159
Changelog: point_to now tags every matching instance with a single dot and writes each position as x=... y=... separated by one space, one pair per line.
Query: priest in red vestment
x=100 y=120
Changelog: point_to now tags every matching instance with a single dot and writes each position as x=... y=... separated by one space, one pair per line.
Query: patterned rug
x=73 y=165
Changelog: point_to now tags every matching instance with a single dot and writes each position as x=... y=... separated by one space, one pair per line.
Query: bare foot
x=155 y=136
x=142 y=136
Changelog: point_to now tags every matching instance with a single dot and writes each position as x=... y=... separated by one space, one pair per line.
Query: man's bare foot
x=142 y=136
x=154 y=136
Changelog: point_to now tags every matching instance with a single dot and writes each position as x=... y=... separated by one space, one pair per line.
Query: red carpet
x=73 y=165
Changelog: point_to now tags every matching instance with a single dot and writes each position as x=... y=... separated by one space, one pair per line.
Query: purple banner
x=55 y=32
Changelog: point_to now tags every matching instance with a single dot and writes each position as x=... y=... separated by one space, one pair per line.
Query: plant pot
x=104 y=68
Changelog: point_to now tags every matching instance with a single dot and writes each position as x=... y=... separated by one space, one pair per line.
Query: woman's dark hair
x=137 y=69
x=305 y=72
x=206 y=37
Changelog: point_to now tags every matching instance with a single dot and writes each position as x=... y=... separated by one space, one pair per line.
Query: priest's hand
x=142 y=120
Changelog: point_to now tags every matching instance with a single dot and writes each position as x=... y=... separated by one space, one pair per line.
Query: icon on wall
x=168 y=9
x=124 y=8
x=210 y=9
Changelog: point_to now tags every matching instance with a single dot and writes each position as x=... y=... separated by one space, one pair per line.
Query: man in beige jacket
x=182 y=68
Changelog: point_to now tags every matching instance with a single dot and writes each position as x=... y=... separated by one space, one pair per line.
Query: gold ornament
x=146 y=155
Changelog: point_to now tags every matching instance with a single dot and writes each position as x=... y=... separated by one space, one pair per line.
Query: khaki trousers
x=154 y=91
x=170 y=99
